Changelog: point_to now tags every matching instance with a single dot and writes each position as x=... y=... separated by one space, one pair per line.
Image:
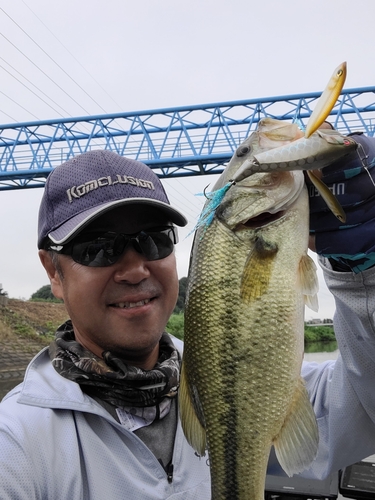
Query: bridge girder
x=174 y=142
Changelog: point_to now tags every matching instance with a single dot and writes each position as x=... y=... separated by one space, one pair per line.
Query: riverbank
x=25 y=328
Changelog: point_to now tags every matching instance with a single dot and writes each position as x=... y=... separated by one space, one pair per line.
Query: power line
x=72 y=55
x=15 y=102
x=58 y=65
x=44 y=73
x=11 y=117
x=192 y=207
x=30 y=90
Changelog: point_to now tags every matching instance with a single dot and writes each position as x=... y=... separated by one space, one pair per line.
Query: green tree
x=319 y=334
x=180 y=306
x=175 y=325
x=44 y=293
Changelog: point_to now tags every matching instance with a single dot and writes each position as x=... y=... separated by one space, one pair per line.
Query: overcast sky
x=88 y=57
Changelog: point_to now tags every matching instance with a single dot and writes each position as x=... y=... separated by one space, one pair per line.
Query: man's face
x=122 y=308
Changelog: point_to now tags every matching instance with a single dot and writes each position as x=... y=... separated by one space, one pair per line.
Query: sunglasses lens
x=155 y=245
x=107 y=249
x=101 y=252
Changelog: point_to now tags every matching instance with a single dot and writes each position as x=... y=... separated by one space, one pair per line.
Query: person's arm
x=349 y=245
x=343 y=392
x=18 y=470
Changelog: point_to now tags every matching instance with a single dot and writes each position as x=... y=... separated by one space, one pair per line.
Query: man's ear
x=54 y=274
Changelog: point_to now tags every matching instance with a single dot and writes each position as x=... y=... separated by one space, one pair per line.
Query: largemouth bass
x=250 y=276
x=249 y=279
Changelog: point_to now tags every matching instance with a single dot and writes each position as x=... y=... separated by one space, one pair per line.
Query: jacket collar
x=44 y=387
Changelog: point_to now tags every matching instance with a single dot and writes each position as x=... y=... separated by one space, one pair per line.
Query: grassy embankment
x=37 y=321
x=30 y=324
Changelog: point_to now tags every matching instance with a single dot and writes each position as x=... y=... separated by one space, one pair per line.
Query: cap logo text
x=76 y=192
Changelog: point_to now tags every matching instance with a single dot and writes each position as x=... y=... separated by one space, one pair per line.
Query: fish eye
x=340 y=72
x=242 y=151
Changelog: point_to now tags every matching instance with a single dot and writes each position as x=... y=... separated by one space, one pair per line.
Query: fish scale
x=234 y=372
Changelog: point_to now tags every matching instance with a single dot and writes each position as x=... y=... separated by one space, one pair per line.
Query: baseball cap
x=92 y=183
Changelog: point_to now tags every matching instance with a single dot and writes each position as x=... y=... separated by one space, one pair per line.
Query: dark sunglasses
x=105 y=249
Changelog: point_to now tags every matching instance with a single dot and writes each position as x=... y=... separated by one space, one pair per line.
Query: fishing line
x=364 y=162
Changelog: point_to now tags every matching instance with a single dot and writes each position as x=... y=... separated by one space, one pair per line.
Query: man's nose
x=131 y=267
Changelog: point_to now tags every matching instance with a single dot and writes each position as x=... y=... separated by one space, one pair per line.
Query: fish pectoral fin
x=311 y=301
x=296 y=445
x=331 y=201
x=192 y=426
x=258 y=270
x=308 y=282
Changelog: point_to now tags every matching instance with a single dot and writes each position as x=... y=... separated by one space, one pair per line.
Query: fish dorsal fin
x=190 y=408
x=297 y=443
x=308 y=281
x=284 y=133
x=258 y=269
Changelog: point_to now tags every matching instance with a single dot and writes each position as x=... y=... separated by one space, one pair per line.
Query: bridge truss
x=175 y=142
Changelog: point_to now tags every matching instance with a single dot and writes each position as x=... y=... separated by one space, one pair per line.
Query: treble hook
x=204 y=192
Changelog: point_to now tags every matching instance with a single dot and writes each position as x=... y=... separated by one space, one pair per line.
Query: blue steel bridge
x=174 y=142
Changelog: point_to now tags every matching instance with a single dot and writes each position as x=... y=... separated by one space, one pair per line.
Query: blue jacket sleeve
x=350 y=244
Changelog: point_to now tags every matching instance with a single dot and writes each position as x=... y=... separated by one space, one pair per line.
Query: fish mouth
x=261 y=220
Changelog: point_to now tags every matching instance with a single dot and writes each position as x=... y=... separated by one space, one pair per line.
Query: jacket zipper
x=169 y=471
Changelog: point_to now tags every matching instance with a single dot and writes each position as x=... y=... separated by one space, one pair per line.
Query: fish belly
x=242 y=358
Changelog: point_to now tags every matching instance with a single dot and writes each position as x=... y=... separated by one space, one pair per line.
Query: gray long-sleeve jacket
x=56 y=442
x=343 y=392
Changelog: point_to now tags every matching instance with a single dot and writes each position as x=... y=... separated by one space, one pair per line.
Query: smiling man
x=107 y=246
x=118 y=301
x=97 y=414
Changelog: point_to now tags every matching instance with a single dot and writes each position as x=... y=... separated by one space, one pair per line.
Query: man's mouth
x=129 y=305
